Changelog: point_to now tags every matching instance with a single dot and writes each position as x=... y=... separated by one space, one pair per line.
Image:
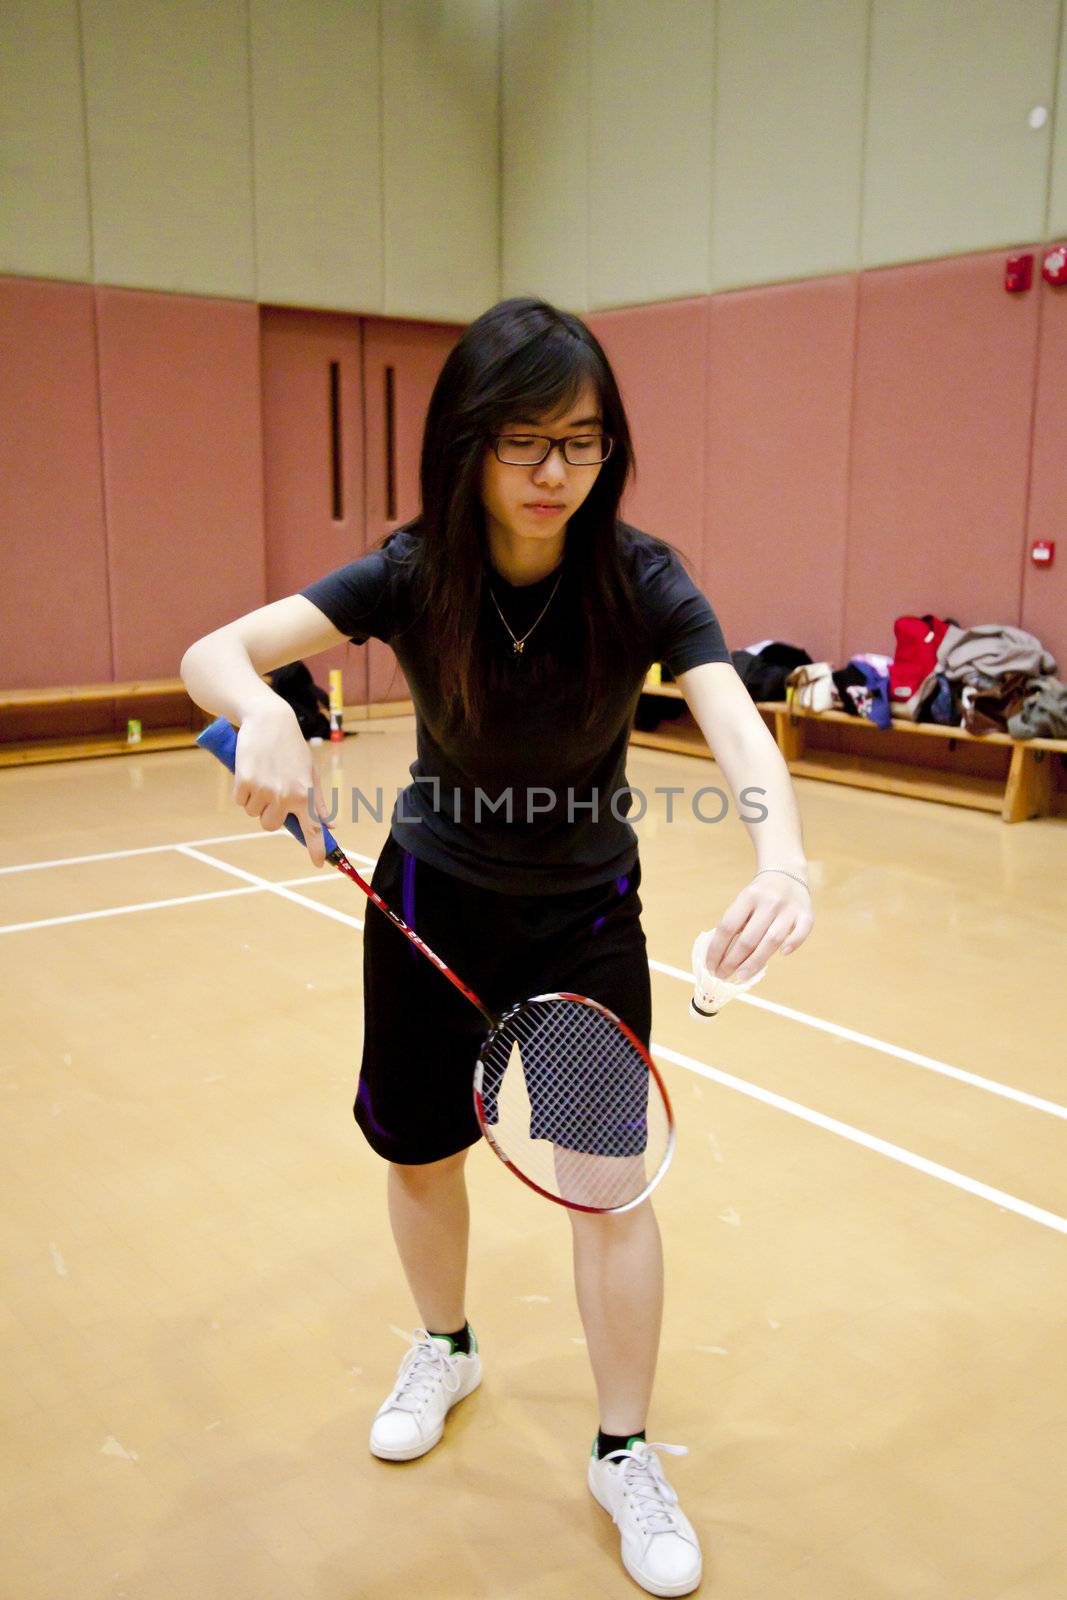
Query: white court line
x=156 y=849
x=119 y=911
x=274 y=888
x=1005 y=1091
x=959 y=1180
x=844 y=1130
x=1051 y=1108
x=153 y=905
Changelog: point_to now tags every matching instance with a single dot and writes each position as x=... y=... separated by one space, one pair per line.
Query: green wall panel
x=317 y=153
x=788 y=146
x=44 y=194
x=167 y=91
x=419 y=158
x=545 y=150
x=650 y=131
x=1056 y=225
x=952 y=162
x=441 y=144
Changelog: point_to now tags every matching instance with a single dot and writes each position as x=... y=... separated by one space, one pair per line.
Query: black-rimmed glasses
x=530 y=449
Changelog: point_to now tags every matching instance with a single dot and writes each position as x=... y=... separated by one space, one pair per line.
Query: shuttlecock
x=710 y=994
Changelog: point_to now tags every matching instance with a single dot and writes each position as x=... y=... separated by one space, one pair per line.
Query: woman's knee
x=427 y=1174
x=613 y=1224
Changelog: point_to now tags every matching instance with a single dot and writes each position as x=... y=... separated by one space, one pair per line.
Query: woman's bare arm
x=222 y=671
x=274 y=773
x=773 y=911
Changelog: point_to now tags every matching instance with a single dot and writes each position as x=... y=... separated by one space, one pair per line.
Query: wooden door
x=401 y=362
x=313 y=460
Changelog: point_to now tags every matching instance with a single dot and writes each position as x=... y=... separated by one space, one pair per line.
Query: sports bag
x=295 y=685
x=811 y=687
x=764 y=674
x=915 y=659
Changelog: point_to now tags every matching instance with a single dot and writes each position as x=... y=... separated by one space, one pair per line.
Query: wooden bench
x=987 y=772
x=31 y=709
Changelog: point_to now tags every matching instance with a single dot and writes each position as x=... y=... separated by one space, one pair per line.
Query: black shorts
x=421 y=1038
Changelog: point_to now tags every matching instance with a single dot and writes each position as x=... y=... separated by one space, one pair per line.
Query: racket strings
x=603 y=1087
x=572 y=1103
x=569 y=1054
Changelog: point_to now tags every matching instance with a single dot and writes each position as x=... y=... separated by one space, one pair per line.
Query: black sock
x=461 y=1339
x=606 y=1442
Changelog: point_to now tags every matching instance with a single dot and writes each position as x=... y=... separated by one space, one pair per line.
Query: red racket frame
x=220 y=739
x=479 y=1107
x=337 y=858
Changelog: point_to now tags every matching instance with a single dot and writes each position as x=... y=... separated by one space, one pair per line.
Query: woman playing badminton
x=525 y=615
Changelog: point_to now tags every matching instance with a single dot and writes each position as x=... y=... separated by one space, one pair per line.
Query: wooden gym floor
x=865 y=1226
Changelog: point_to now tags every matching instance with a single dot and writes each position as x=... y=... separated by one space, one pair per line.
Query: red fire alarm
x=1019 y=274
x=1042 y=552
x=1054 y=267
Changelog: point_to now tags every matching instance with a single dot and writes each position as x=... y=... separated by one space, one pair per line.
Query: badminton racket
x=564 y=1092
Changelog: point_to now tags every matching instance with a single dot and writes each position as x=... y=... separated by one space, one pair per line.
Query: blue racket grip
x=221 y=739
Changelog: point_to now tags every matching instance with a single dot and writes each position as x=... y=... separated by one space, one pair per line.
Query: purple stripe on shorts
x=408 y=900
x=621 y=884
x=363 y=1096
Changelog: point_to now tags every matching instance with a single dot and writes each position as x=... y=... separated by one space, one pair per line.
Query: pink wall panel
x=304 y=540
x=657 y=354
x=779 y=366
x=54 y=625
x=745 y=408
x=945 y=367
x=180 y=406
x=1044 y=603
x=415 y=352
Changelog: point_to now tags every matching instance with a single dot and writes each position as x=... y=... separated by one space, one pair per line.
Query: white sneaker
x=430 y=1381
x=660 y=1549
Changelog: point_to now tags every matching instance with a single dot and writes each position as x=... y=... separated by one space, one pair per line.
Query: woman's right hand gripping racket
x=564 y=1092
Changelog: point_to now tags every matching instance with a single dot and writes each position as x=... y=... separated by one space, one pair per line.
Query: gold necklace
x=517 y=644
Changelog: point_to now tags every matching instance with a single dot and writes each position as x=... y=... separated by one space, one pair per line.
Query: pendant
x=518 y=646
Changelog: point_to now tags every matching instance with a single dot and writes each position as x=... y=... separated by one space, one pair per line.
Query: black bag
x=298 y=689
x=764 y=675
x=652 y=709
x=944 y=705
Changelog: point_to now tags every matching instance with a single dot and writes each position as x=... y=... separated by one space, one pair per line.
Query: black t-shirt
x=535 y=802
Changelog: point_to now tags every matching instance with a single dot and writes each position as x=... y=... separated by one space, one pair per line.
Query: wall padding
x=657 y=355
x=1044 y=605
x=440 y=157
x=183 y=470
x=545 y=150
x=952 y=162
x=788 y=163
x=945 y=368
x=779 y=378
x=170 y=144
x=53 y=555
x=650 y=99
x=44 y=218
x=318 y=178
x=1056 y=226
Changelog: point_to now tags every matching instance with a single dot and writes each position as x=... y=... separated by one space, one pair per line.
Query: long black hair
x=521 y=358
